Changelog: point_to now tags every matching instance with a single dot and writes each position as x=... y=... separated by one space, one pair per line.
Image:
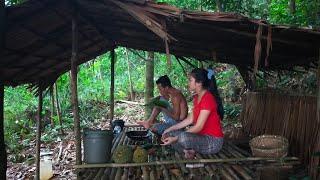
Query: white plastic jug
x=46 y=171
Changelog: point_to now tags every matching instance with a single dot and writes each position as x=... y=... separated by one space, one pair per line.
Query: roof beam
x=143 y=18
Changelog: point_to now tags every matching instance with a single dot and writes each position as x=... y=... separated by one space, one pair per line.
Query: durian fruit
x=140 y=155
x=123 y=154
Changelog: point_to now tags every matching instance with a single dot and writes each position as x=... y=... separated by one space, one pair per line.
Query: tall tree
x=149 y=82
x=292 y=6
x=129 y=74
x=55 y=89
x=52 y=106
x=219 y=5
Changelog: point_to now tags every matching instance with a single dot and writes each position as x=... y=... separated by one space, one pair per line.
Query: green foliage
x=232 y=111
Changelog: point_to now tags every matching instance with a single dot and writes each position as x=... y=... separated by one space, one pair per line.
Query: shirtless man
x=178 y=112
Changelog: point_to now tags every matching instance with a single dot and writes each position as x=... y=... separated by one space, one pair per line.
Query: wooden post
x=74 y=91
x=112 y=86
x=318 y=97
x=38 y=138
x=149 y=83
x=3 y=154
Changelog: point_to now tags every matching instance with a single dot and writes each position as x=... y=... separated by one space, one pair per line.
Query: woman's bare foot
x=189 y=153
x=145 y=124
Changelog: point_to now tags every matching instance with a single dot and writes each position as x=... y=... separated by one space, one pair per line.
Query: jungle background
x=131 y=70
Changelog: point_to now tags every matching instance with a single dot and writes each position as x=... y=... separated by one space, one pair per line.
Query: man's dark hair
x=164 y=81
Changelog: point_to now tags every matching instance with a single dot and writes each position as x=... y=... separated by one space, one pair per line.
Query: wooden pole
x=149 y=83
x=112 y=86
x=38 y=138
x=318 y=97
x=275 y=161
x=74 y=91
x=317 y=174
x=3 y=154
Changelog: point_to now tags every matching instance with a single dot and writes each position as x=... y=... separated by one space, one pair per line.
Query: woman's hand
x=169 y=140
x=166 y=132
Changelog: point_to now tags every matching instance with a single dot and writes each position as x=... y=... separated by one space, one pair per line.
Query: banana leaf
x=158 y=102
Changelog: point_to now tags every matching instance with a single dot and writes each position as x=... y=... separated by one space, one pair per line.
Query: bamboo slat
x=239 y=169
x=99 y=174
x=207 y=167
x=145 y=173
x=228 y=167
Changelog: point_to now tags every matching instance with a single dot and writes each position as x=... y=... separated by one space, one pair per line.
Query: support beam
x=38 y=138
x=3 y=154
x=318 y=97
x=74 y=91
x=112 y=86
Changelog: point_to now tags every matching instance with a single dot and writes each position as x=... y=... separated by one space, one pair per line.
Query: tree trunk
x=129 y=74
x=3 y=153
x=38 y=138
x=74 y=90
x=52 y=106
x=219 y=6
x=55 y=88
x=112 y=86
x=149 y=82
x=292 y=7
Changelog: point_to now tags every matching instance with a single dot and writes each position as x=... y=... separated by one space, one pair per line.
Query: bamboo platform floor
x=231 y=162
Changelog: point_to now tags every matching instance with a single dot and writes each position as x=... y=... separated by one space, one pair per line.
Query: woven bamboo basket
x=272 y=146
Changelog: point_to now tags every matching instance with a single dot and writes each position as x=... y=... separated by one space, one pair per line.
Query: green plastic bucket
x=97 y=146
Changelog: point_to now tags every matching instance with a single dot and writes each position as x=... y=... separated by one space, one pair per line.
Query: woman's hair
x=201 y=76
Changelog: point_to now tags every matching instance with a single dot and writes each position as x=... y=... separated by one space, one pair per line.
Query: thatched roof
x=39 y=36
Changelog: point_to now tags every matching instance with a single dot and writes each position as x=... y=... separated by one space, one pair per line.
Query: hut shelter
x=41 y=40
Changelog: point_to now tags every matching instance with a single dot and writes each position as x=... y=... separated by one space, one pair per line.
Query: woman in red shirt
x=205 y=136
